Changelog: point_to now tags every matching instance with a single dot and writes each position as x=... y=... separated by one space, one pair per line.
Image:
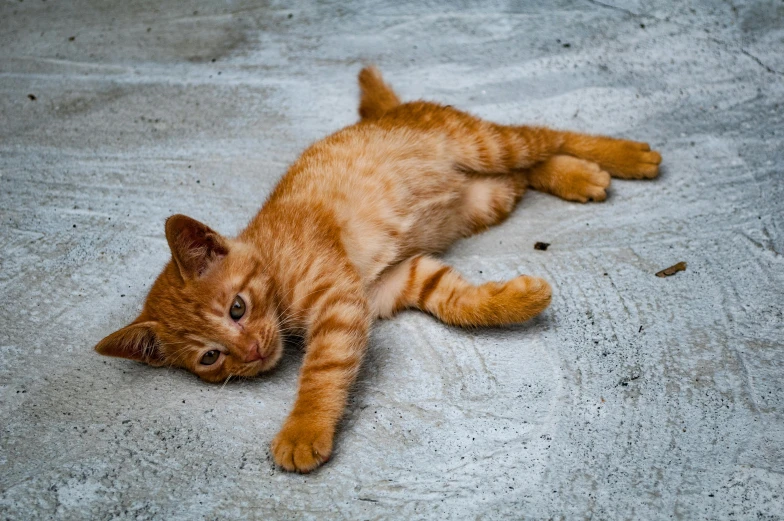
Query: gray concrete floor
x=632 y=397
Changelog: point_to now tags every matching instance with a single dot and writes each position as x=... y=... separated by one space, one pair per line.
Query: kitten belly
x=394 y=193
x=389 y=226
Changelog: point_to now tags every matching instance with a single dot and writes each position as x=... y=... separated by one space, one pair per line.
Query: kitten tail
x=376 y=97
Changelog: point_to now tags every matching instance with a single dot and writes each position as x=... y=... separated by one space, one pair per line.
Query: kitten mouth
x=268 y=360
x=259 y=357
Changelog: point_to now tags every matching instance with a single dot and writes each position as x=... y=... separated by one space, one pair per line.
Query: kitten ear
x=136 y=342
x=193 y=245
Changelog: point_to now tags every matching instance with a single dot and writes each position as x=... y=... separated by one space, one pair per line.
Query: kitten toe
x=596 y=194
x=633 y=163
x=283 y=454
x=302 y=446
x=584 y=181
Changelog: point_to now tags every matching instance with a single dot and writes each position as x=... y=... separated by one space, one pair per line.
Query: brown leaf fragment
x=672 y=270
x=541 y=246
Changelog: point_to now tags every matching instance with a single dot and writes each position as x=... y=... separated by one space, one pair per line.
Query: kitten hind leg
x=484 y=147
x=493 y=149
x=427 y=284
x=488 y=200
x=489 y=148
x=620 y=157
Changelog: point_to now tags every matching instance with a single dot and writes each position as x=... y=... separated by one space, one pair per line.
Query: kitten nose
x=253 y=353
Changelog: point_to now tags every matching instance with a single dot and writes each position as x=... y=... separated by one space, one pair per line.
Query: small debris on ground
x=32 y=97
x=541 y=246
x=672 y=270
x=625 y=382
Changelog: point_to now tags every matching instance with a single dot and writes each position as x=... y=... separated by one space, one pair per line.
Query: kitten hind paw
x=585 y=181
x=571 y=178
x=632 y=160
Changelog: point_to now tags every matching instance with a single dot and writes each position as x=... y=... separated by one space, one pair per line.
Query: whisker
x=226 y=381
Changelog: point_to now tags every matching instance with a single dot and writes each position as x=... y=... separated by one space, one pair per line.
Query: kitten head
x=211 y=311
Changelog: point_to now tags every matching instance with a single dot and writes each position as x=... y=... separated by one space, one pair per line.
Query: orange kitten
x=347 y=237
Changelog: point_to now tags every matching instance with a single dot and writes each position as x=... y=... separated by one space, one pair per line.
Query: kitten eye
x=210 y=357
x=237 y=308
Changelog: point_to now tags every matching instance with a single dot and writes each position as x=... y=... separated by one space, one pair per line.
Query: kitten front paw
x=511 y=302
x=302 y=445
x=530 y=296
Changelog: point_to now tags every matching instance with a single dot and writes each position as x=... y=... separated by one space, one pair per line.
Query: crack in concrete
x=759 y=62
x=616 y=8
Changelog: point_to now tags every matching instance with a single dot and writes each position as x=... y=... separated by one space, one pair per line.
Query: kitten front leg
x=428 y=284
x=336 y=341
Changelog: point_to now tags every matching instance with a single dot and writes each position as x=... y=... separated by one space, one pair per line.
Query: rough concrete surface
x=631 y=397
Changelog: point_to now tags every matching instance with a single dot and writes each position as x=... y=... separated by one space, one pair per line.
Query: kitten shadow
x=536 y=325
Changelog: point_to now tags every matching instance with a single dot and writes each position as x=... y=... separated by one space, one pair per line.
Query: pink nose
x=253 y=353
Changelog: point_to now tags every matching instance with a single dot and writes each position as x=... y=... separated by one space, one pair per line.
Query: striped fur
x=347 y=236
